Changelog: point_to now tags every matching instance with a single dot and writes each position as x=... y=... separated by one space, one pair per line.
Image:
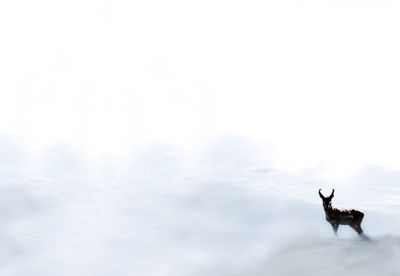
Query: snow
x=162 y=213
x=329 y=256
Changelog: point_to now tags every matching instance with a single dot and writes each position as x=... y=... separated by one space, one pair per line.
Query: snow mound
x=308 y=257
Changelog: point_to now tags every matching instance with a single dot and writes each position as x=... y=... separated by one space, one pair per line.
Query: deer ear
x=332 y=194
x=320 y=195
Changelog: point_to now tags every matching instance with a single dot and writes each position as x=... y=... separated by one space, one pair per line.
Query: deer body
x=336 y=217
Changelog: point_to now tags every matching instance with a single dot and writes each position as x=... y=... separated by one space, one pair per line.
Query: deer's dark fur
x=336 y=217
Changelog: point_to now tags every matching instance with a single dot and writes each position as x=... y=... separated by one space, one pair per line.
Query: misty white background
x=191 y=138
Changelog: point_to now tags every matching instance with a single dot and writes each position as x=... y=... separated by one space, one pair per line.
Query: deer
x=336 y=217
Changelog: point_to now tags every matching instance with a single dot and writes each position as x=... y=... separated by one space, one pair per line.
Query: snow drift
x=335 y=256
x=159 y=214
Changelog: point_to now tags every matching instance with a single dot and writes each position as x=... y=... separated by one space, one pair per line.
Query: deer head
x=326 y=201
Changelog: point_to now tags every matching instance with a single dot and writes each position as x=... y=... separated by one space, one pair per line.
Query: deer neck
x=328 y=210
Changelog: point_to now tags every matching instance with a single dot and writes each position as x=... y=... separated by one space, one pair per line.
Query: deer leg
x=361 y=232
x=358 y=229
x=359 y=226
x=362 y=235
x=335 y=228
x=355 y=229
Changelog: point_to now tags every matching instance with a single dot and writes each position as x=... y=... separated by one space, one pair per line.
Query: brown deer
x=336 y=217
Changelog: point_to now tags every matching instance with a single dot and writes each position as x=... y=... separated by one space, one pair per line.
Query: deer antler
x=320 y=193
x=332 y=194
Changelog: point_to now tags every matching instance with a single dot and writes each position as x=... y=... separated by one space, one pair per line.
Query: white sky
x=315 y=82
